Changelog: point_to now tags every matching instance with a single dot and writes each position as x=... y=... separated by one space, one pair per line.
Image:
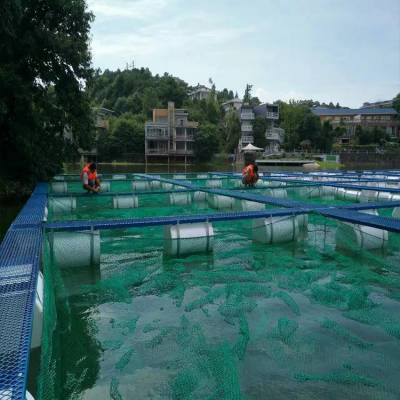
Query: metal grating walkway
x=20 y=256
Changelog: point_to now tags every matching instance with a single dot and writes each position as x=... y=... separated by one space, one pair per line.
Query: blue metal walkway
x=20 y=258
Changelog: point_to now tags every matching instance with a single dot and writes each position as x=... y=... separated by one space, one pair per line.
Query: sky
x=345 y=51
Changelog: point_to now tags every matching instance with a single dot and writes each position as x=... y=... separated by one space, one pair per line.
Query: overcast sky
x=345 y=51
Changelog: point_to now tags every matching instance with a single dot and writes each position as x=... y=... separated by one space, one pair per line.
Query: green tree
x=231 y=131
x=206 y=142
x=396 y=104
x=247 y=94
x=259 y=129
x=44 y=62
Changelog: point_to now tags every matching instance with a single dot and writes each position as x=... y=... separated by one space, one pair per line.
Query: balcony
x=158 y=151
x=247 y=139
x=247 y=115
x=272 y=115
x=153 y=131
x=183 y=138
x=275 y=134
x=247 y=128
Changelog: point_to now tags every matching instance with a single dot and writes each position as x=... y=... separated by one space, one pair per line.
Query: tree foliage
x=206 y=142
x=259 y=129
x=44 y=62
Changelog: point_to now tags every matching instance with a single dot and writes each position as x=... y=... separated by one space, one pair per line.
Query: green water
x=300 y=320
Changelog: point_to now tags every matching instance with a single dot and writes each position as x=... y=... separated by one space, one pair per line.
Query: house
x=275 y=137
x=234 y=104
x=169 y=136
x=200 y=92
x=365 y=117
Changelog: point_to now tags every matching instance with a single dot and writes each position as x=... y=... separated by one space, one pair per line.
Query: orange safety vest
x=91 y=175
x=248 y=172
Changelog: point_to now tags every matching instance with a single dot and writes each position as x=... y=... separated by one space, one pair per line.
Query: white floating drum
x=75 y=249
x=278 y=193
x=155 y=184
x=180 y=198
x=59 y=187
x=119 y=177
x=105 y=186
x=37 y=323
x=221 y=202
x=140 y=185
x=184 y=239
x=361 y=236
x=59 y=205
x=275 y=229
x=214 y=183
x=125 y=201
x=246 y=205
x=199 y=196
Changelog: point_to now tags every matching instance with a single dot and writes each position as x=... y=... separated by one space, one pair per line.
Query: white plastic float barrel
x=180 y=198
x=179 y=177
x=361 y=236
x=199 y=196
x=105 y=186
x=238 y=183
x=385 y=196
x=140 y=185
x=184 y=239
x=59 y=178
x=340 y=193
x=59 y=187
x=278 y=193
x=262 y=183
x=329 y=190
x=125 y=201
x=28 y=396
x=214 y=183
x=119 y=177
x=155 y=184
x=60 y=205
x=167 y=186
x=202 y=176
x=302 y=220
x=368 y=195
x=37 y=323
x=352 y=195
x=45 y=214
x=310 y=192
x=275 y=229
x=75 y=249
x=246 y=205
x=221 y=202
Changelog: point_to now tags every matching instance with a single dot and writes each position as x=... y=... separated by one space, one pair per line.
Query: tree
x=206 y=142
x=259 y=129
x=44 y=63
x=396 y=104
x=247 y=94
x=231 y=131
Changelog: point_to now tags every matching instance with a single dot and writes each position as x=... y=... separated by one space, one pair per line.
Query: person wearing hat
x=89 y=178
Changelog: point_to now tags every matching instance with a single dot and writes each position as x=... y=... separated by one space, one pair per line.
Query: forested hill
x=133 y=93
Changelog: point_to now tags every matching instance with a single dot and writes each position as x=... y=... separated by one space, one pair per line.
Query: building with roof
x=270 y=112
x=234 y=104
x=378 y=104
x=365 y=117
x=169 y=136
x=200 y=92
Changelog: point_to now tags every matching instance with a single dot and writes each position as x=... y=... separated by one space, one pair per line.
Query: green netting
x=311 y=318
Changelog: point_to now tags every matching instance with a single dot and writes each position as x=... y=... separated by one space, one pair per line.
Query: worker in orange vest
x=250 y=174
x=89 y=178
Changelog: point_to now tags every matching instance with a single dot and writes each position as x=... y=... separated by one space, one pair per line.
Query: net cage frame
x=22 y=247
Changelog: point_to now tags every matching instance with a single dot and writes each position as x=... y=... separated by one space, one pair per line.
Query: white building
x=200 y=92
x=234 y=104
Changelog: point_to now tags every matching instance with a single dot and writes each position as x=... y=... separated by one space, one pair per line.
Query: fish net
x=315 y=316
